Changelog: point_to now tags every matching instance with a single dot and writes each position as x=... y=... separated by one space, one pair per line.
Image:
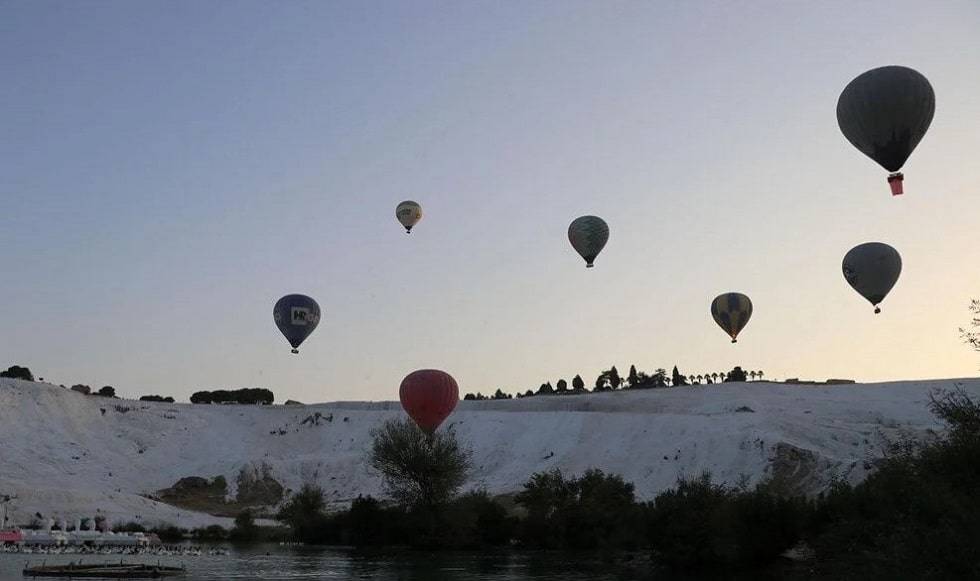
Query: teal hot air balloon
x=296 y=316
x=884 y=113
x=732 y=312
x=588 y=235
x=872 y=269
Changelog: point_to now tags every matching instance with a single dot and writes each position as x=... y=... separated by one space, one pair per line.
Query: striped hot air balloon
x=588 y=235
x=408 y=213
x=429 y=396
x=731 y=311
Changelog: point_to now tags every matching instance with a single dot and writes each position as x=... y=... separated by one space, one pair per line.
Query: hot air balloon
x=588 y=234
x=429 y=396
x=731 y=311
x=408 y=213
x=884 y=113
x=296 y=316
x=872 y=269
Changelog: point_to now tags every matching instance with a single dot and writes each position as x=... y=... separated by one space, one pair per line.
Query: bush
x=245 y=528
x=107 y=391
x=158 y=398
x=242 y=396
x=18 y=372
x=594 y=511
x=169 y=532
x=916 y=516
x=305 y=515
x=210 y=533
x=704 y=525
x=129 y=527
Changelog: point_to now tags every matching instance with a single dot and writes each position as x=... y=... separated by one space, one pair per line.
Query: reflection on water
x=275 y=562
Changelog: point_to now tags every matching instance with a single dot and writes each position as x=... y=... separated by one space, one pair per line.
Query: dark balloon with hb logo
x=296 y=316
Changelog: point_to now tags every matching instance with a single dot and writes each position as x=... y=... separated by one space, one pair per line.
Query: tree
x=245 y=527
x=601 y=382
x=714 y=377
x=107 y=391
x=634 y=380
x=159 y=398
x=736 y=375
x=200 y=397
x=692 y=378
x=546 y=389
x=614 y=379
x=528 y=393
x=971 y=338
x=469 y=397
x=676 y=378
x=659 y=377
x=577 y=383
x=700 y=378
x=18 y=372
x=561 y=386
x=82 y=389
x=759 y=373
x=304 y=512
x=419 y=470
x=499 y=394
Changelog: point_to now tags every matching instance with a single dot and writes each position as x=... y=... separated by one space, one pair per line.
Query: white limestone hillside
x=66 y=454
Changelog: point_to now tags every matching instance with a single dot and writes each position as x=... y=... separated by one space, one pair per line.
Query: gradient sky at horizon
x=169 y=169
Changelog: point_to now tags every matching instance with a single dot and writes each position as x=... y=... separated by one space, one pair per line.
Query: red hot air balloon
x=429 y=396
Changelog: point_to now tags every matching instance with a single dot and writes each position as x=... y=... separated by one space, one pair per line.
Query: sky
x=168 y=170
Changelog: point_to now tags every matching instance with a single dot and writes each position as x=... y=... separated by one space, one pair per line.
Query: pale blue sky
x=169 y=169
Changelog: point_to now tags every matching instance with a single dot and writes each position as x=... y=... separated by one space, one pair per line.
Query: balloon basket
x=589 y=265
x=295 y=351
x=877 y=310
x=895 y=181
x=734 y=340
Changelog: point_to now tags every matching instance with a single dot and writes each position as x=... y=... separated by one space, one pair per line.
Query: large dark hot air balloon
x=588 y=235
x=296 y=316
x=884 y=113
x=731 y=311
x=872 y=269
x=429 y=396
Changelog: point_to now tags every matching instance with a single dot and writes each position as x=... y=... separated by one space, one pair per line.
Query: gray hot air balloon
x=732 y=312
x=408 y=213
x=884 y=113
x=588 y=234
x=872 y=269
x=296 y=316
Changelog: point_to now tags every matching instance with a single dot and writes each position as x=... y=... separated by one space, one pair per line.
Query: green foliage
x=18 y=372
x=972 y=338
x=169 y=532
x=677 y=379
x=594 y=511
x=916 y=516
x=577 y=383
x=245 y=527
x=241 y=396
x=158 y=398
x=704 y=525
x=304 y=514
x=419 y=470
x=210 y=533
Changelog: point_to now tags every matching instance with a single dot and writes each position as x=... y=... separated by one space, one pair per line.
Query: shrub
x=245 y=528
x=158 y=398
x=169 y=532
x=594 y=511
x=210 y=533
x=18 y=372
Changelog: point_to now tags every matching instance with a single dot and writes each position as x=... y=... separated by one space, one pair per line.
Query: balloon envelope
x=588 y=235
x=408 y=213
x=296 y=316
x=429 y=396
x=731 y=311
x=872 y=269
x=885 y=112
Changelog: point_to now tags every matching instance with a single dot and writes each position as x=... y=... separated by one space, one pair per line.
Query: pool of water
x=276 y=562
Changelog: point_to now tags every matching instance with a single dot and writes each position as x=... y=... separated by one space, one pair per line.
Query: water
x=274 y=562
